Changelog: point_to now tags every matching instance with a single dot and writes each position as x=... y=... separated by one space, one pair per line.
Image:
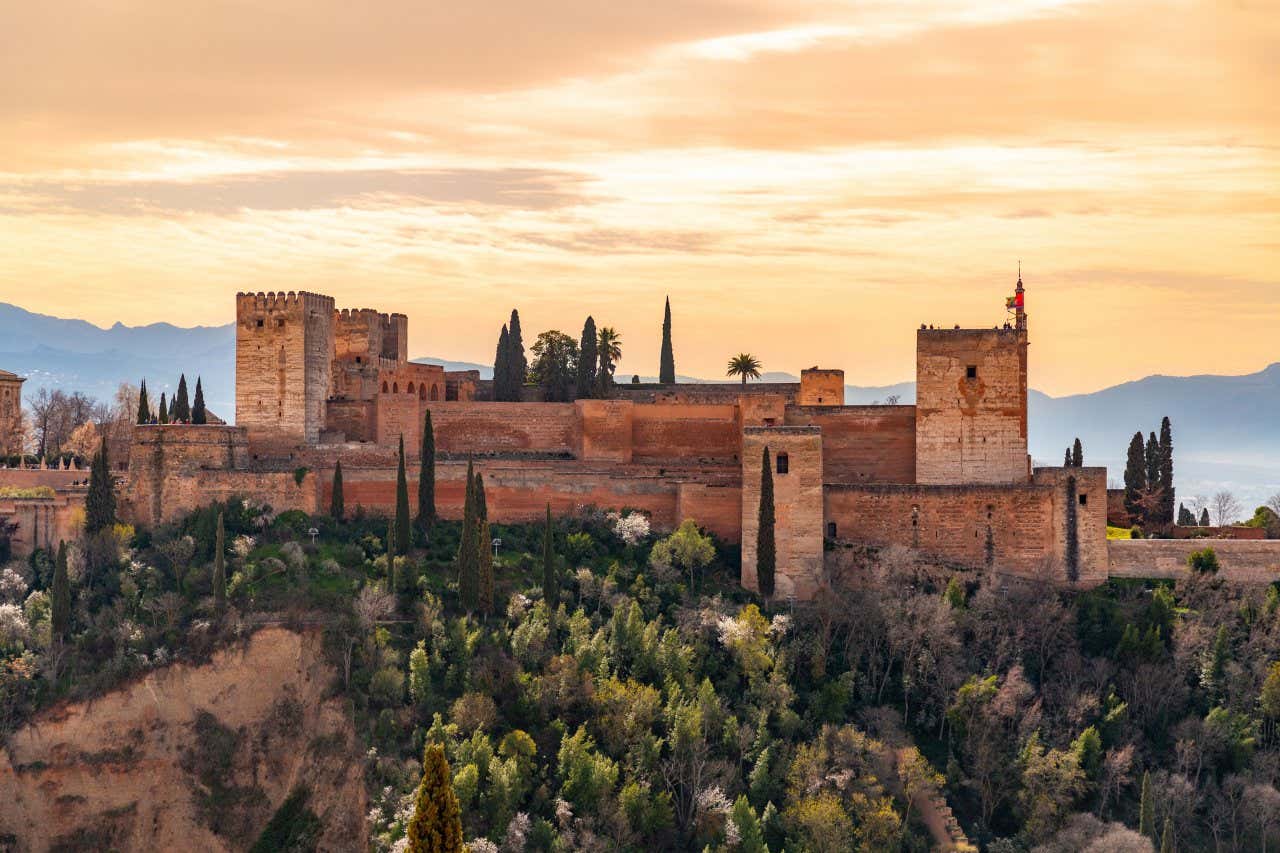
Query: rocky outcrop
x=190 y=757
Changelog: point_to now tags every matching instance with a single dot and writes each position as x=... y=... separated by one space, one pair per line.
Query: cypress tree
x=1204 y=517
x=181 y=405
x=1066 y=458
x=484 y=567
x=198 y=413
x=173 y=406
x=468 y=582
x=482 y=507
x=501 y=366
x=144 y=406
x=436 y=825
x=1135 y=478
x=337 y=501
x=550 y=580
x=516 y=363
x=1147 y=808
x=766 y=547
x=667 y=361
x=1166 y=837
x=164 y=410
x=100 y=502
x=60 y=616
x=1185 y=518
x=1077 y=454
x=220 y=567
x=403 y=532
x=1166 y=471
x=587 y=360
x=427 y=477
x=391 y=555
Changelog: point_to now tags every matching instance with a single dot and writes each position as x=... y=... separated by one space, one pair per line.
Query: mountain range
x=1226 y=428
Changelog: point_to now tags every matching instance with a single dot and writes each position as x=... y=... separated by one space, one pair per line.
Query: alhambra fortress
x=949 y=477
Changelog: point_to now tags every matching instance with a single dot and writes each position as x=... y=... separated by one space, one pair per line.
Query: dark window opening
x=770 y=421
x=1084 y=500
x=357 y=359
x=259 y=324
x=280 y=323
x=831 y=530
x=784 y=463
x=971 y=372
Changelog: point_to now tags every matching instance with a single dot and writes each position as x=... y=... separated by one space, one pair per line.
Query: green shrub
x=1204 y=562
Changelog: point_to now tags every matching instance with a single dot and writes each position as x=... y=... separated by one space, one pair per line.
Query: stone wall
x=863 y=444
x=1241 y=561
x=1002 y=528
x=703 y=392
x=971 y=406
x=31 y=523
x=715 y=506
x=798 y=499
x=486 y=428
x=682 y=433
x=284 y=358
x=1080 y=512
x=604 y=430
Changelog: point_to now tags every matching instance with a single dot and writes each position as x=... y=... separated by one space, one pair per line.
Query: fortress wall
x=716 y=507
x=28 y=478
x=604 y=430
x=1079 y=510
x=42 y=522
x=1242 y=561
x=519 y=491
x=703 y=392
x=821 y=388
x=355 y=419
x=863 y=444
x=687 y=433
x=950 y=522
x=480 y=428
x=798 y=507
x=399 y=415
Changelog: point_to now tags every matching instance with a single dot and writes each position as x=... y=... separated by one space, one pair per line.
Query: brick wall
x=703 y=392
x=604 y=430
x=482 y=427
x=798 y=498
x=1241 y=561
x=32 y=523
x=971 y=429
x=863 y=444
x=354 y=420
x=400 y=415
x=950 y=522
x=717 y=507
x=1084 y=491
x=685 y=433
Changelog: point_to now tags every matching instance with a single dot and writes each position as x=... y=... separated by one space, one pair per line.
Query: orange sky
x=809 y=179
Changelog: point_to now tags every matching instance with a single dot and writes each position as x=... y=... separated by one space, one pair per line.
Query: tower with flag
x=1016 y=304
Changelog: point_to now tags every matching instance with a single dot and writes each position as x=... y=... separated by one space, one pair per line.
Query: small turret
x=1019 y=303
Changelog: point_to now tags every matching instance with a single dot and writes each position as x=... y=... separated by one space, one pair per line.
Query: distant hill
x=1226 y=428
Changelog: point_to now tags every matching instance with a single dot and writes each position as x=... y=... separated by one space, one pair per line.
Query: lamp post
x=313 y=533
x=497 y=543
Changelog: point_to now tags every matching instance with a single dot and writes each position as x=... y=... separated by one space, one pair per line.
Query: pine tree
x=427 y=477
x=766 y=548
x=164 y=410
x=468 y=557
x=220 y=567
x=1204 y=517
x=1147 y=808
x=502 y=367
x=1077 y=454
x=144 y=406
x=403 y=531
x=181 y=405
x=1166 y=837
x=667 y=361
x=337 y=501
x=60 y=615
x=198 y=413
x=550 y=580
x=587 y=360
x=1166 y=471
x=436 y=825
x=1135 y=478
x=484 y=567
x=517 y=365
x=100 y=502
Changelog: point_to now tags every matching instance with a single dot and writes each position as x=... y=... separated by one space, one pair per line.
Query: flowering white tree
x=632 y=528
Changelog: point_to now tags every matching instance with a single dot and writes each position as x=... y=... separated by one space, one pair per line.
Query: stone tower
x=971 y=403
x=795 y=454
x=10 y=413
x=284 y=363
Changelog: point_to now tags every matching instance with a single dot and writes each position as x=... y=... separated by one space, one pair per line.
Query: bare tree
x=1225 y=508
x=1273 y=503
x=55 y=416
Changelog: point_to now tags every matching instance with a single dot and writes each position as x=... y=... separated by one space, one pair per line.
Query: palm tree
x=745 y=365
x=608 y=351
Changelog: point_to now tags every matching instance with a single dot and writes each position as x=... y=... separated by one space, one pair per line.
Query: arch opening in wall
x=409 y=389
x=783 y=463
x=395 y=387
x=435 y=392
x=384 y=387
x=422 y=391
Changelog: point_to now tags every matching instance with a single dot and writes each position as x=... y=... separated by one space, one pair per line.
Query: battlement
x=290 y=302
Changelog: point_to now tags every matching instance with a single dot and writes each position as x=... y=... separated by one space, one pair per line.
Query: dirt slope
x=189 y=758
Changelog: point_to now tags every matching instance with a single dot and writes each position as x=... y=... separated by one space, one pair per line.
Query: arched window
x=384 y=386
x=435 y=392
x=784 y=463
x=422 y=391
x=410 y=388
x=395 y=387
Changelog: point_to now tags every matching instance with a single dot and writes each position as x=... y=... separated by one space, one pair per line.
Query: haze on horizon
x=809 y=180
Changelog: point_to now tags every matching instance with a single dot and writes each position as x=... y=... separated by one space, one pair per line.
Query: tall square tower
x=10 y=413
